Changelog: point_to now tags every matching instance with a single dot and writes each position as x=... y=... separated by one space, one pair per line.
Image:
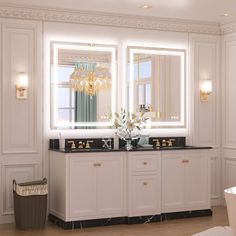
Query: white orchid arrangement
x=127 y=122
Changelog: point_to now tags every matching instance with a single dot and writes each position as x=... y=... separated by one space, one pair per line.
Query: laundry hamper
x=30 y=204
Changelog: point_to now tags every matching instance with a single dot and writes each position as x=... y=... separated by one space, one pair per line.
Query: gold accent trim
x=185 y=161
x=204 y=97
x=97 y=164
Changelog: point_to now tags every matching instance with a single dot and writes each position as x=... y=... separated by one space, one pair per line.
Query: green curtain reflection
x=85 y=107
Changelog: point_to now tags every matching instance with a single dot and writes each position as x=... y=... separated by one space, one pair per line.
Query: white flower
x=127 y=122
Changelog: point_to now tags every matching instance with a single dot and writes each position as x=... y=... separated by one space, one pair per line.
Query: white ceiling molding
x=107 y=19
x=228 y=28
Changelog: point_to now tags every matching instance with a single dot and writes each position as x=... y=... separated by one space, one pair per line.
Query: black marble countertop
x=84 y=150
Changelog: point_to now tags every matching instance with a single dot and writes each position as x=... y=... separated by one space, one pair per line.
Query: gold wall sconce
x=205 y=89
x=22 y=86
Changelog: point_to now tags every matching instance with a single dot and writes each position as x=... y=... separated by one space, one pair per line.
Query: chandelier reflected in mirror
x=90 y=78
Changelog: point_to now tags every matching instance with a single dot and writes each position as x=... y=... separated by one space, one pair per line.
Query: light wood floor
x=183 y=227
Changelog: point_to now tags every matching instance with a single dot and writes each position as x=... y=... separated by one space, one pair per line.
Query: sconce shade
x=205 y=90
x=22 y=80
x=206 y=86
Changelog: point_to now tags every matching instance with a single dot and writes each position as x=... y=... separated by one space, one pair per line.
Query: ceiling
x=202 y=10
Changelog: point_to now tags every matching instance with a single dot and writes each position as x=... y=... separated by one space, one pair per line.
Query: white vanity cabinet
x=144 y=183
x=100 y=185
x=87 y=185
x=185 y=180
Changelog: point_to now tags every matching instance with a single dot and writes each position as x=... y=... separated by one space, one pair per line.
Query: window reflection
x=156 y=84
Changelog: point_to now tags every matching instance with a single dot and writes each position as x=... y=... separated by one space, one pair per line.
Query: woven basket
x=30 y=204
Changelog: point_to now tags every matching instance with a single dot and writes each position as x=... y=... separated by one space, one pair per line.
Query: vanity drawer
x=145 y=162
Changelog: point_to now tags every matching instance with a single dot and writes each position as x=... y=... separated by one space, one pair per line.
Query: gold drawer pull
x=185 y=161
x=97 y=164
x=145 y=163
x=145 y=183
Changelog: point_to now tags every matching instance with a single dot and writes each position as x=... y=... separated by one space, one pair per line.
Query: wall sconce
x=22 y=86
x=205 y=89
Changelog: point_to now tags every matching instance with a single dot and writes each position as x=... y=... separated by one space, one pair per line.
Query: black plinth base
x=186 y=214
x=127 y=220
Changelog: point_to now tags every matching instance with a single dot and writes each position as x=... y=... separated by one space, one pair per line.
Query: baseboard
x=215 y=202
x=7 y=219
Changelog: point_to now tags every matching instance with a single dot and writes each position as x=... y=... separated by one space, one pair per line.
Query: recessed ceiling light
x=146 y=6
x=226 y=15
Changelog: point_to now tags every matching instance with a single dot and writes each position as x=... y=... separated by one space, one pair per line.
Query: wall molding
x=228 y=28
x=216 y=178
x=228 y=74
x=15 y=139
x=20 y=172
x=229 y=167
x=107 y=19
x=205 y=115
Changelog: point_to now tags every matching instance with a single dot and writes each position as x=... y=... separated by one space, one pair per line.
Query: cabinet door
x=197 y=189
x=82 y=186
x=173 y=182
x=110 y=184
x=144 y=195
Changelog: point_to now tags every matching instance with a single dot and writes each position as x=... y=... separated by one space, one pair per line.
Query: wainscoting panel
x=228 y=112
x=205 y=65
x=229 y=165
x=205 y=116
x=20 y=117
x=215 y=181
x=229 y=88
x=21 y=173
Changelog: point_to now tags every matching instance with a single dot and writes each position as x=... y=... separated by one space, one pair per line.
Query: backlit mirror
x=83 y=85
x=156 y=85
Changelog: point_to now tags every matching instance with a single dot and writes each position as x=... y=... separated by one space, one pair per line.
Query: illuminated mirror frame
x=55 y=45
x=160 y=51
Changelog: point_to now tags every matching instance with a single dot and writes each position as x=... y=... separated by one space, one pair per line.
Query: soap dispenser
x=61 y=142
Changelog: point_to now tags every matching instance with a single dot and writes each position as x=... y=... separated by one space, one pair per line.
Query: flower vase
x=128 y=145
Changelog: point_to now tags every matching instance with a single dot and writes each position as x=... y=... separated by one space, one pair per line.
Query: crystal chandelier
x=90 y=78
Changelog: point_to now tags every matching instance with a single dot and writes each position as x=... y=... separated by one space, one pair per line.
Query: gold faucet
x=81 y=144
x=158 y=145
x=170 y=142
x=163 y=143
x=72 y=144
x=88 y=143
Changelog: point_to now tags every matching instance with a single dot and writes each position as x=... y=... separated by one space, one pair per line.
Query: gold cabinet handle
x=97 y=164
x=145 y=183
x=145 y=163
x=185 y=161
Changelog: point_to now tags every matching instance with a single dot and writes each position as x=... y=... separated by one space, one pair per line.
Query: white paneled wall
x=205 y=117
x=21 y=119
x=229 y=110
x=21 y=152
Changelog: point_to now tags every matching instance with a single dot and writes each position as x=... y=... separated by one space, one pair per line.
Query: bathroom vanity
x=101 y=187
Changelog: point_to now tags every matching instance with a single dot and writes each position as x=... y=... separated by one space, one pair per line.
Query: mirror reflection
x=83 y=78
x=156 y=85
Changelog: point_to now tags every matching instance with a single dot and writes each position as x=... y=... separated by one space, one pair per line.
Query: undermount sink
x=85 y=149
x=182 y=147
